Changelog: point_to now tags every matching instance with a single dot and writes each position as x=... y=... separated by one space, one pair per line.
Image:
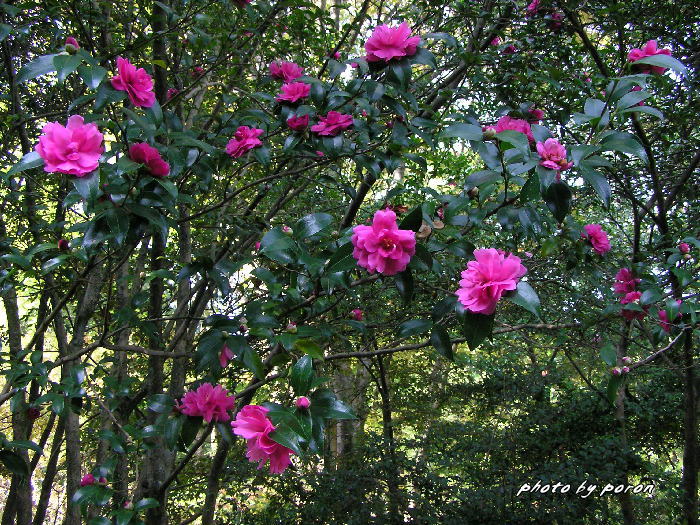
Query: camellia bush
x=276 y=261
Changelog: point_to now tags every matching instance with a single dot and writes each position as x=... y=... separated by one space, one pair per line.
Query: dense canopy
x=292 y=261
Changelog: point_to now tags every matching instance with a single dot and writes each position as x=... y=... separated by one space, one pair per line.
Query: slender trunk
x=49 y=474
x=388 y=432
x=690 y=448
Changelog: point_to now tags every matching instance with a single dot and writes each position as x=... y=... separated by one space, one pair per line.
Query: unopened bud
x=473 y=193
x=616 y=371
x=625 y=369
x=303 y=402
x=63 y=245
x=626 y=360
x=128 y=504
x=489 y=133
x=287 y=230
x=292 y=327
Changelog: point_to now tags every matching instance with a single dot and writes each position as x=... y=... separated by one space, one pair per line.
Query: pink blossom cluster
x=650 y=49
x=244 y=140
x=74 y=149
x=390 y=43
x=210 y=402
x=383 y=247
x=487 y=278
x=626 y=286
x=597 y=238
x=253 y=425
x=136 y=82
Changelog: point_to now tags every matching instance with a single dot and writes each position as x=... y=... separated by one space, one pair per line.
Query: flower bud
x=63 y=245
x=625 y=369
x=303 y=402
x=33 y=413
x=687 y=256
x=626 y=360
x=292 y=327
x=684 y=247
x=489 y=133
x=128 y=504
x=257 y=246
x=616 y=371
x=102 y=480
x=71 y=45
x=473 y=193
x=357 y=314
x=287 y=230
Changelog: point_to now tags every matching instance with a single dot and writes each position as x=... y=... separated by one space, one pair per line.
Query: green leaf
x=558 y=199
x=598 y=181
x=424 y=255
x=29 y=445
x=285 y=436
x=301 y=375
x=312 y=224
x=92 y=75
x=413 y=220
x=663 y=61
x=625 y=143
x=341 y=253
x=146 y=503
x=309 y=347
x=53 y=263
x=5 y=30
x=251 y=360
x=608 y=354
x=526 y=297
x=414 y=327
x=476 y=328
x=440 y=340
x=324 y=404
x=88 y=186
x=463 y=131
x=29 y=161
x=36 y=68
x=14 y=463
x=613 y=384
x=531 y=189
x=404 y=284
x=65 y=65
x=160 y=403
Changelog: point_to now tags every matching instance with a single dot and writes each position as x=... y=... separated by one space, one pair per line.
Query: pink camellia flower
x=210 y=402
x=74 y=149
x=625 y=282
x=332 y=124
x=287 y=71
x=553 y=155
x=302 y=402
x=487 y=278
x=150 y=157
x=197 y=71
x=507 y=123
x=287 y=230
x=664 y=323
x=357 y=314
x=625 y=369
x=650 y=49
x=171 y=93
x=88 y=479
x=597 y=237
x=298 y=123
x=293 y=92
x=388 y=43
x=383 y=247
x=533 y=7
x=496 y=41
x=535 y=115
x=335 y=55
x=253 y=425
x=354 y=65
x=320 y=153
x=630 y=298
x=136 y=82
x=244 y=140
x=684 y=247
x=556 y=21
x=257 y=246
x=71 y=45
x=510 y=49
x=225 y=355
